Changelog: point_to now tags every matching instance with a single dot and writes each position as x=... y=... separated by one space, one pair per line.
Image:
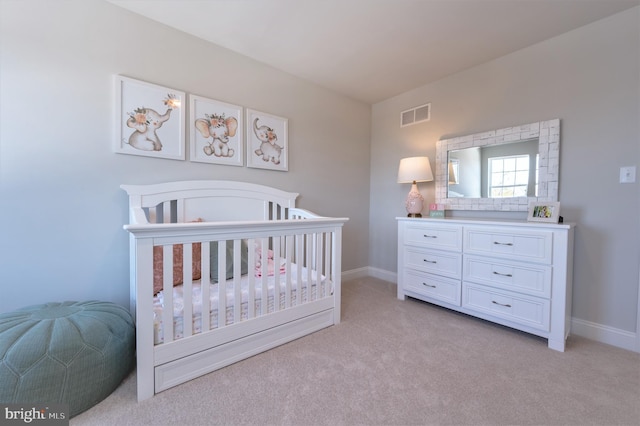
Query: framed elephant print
x=150 y=119
x=216 y=132
x=267 y=141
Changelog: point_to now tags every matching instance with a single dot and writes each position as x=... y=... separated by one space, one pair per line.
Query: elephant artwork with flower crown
x=269 y=150
x=219 y=129
x=145 y=122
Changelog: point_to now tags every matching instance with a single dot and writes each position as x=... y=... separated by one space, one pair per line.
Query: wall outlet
x=628 y=174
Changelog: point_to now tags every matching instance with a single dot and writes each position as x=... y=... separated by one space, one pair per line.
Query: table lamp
x=413 y=170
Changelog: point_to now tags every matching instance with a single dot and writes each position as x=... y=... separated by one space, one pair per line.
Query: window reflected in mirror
x=509 y=176
x=499 y=171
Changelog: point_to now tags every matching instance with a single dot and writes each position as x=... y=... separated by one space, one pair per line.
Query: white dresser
x=514 y=273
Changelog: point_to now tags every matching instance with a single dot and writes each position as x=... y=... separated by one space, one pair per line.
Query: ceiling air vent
x=415 y=115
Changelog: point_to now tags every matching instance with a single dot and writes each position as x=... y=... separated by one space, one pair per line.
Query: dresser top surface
x=495 y=222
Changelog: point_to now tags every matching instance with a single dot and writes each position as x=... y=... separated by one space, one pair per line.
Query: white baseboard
x=604 y=334
x=598 y=332
x=369 y=271
x=383 y=275
x=355 y=273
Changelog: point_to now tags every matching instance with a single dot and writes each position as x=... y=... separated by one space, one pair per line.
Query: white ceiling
x=372 y=50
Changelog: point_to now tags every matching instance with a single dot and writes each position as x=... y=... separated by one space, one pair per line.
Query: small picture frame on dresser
x=436 y=210
x=544 y=212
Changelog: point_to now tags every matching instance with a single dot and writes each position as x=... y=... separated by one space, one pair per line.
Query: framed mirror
x=499 y=170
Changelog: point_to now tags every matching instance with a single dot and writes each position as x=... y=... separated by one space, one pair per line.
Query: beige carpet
x=399 y=363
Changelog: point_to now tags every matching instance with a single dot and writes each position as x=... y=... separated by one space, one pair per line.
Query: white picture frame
x=216 y=132
x=267 y=141
x=544 y=211
x=150 y=119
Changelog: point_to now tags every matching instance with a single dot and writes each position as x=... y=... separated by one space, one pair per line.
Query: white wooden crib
x=265 y=246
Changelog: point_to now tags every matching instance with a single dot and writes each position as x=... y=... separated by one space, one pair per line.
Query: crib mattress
x=308 y=293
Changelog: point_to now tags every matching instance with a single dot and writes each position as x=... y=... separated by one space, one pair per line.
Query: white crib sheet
x=178 y=300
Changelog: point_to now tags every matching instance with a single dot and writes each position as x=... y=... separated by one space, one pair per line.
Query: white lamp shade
x=414 y=169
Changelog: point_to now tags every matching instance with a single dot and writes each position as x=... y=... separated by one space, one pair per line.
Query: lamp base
x=414 y=202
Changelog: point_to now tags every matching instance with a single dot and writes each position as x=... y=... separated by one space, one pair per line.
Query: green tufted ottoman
x=74 y=353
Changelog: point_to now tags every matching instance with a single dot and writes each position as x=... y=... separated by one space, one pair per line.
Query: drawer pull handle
x=504 y=275
x=502 y=244
x=430 y=236
x=501 y=304
x=429 y=261
x=428 y=285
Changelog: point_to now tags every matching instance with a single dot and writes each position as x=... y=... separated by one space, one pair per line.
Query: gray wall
x=590 y=79
x=61 y=235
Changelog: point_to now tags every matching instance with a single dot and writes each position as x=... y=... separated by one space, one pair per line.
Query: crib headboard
x=209 y=200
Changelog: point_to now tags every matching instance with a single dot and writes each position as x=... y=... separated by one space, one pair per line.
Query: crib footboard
x=208 y=294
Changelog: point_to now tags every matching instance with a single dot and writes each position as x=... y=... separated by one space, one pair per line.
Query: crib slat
x=222 y=287
x=327 y=263
x=180 y=209
x=167 y=292
x=204 y=284
x=251 y=258
x=336 y=279
x=319 y=253
x=276 y=274
x=288 y=254
x=166 y=212
x=264 y=272
x=237 y=283
x=187 y=289
x=309 y=264
x=299 y=263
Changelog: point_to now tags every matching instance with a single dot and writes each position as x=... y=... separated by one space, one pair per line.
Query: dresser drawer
x=526 y=310
x=432 y=286
x=435 y=261
x=531 y=246
x=528 y=278
x=433 y=236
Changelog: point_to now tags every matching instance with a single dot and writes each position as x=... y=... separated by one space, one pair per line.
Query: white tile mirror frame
x=548 y=134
